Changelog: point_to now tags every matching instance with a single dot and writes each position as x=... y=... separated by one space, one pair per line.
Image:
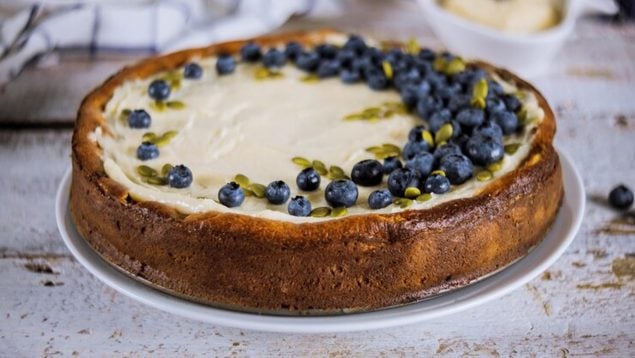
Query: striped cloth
x=29 y=30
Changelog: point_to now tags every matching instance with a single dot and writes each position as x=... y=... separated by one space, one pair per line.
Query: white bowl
x=528 y=55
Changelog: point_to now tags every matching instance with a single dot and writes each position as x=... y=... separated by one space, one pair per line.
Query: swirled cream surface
x=235 y=124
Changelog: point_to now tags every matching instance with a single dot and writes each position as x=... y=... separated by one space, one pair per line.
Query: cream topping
x=235 y=124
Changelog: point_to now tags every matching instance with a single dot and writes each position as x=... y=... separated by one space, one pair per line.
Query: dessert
x=313 y=172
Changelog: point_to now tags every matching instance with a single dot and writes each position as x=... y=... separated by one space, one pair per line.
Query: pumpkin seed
x=438 y=172
x=512 y=148
x=424 y=197
x=123 y=116
x=257 y=189
x=387 y=67
x=242 y=180
x=391 y=148
x=375 y=150
x=149 y=137
x=247 y=191
x=320 y=167
x=320 y=212
x=126 y=112
x=158 y=106
x=157 y=180
x=165 y=169
x=146 y=171
x=371 y=111
x=427 y=136
x=403 y=202
x=175 y=104
x=336 y=172
x=303 y=162
x=339 y=211
x=165 y=138
x=413 y=47
x=444 y=133
x=412 y=192
x=484 y=175
x=353 y=117
x=455 y=66
x=478 y=103
x=480 y=89
x=311 y=78
x=494 y=167
x=261 y=73
x=439 y=64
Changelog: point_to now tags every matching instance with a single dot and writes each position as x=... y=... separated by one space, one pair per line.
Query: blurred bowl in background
x=526 y=54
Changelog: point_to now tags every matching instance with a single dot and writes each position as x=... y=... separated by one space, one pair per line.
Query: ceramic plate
x=489 y=288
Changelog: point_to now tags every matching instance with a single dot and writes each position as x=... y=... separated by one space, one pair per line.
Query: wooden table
x=583 y=305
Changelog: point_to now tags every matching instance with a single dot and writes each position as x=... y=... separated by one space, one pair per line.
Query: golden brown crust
x=353 y=263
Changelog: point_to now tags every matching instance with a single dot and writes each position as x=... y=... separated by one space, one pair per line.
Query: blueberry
x=292 y=50
x=512 y=102
x=621 y=197
x=308 y=179
x=402 y=178
x=422 y=163
x=328 y=68
x=231 y=195
x=274 y=58
x=484 y=150
x=308 y=61
x=356 y=44
x=390 y=164
x=250 y=52
x=457 y=167
x=460 y=141
x=159 y=90
x=346 y=57
x=180 y=176
x=449 y=91
x=459 y=102
x=376 y=78
x=139 y=118
x=327 y=51
x=426 y=54
x=225 y=64
x=379 y=199
x=508 y=121
x=470 y=117
x=446 y=149
x=415 y=133
x=277 y=192
x=495 y=104
x=350 y=75
x=192 y=71
x=147 y=151
x=439 y=118
x=490 y=129
x=299 y=206
x=341 y=192
x=368 y=172
x=494 y=89
x=413 y=148
x=437 y=184
x=426 y=106
x=412 y=93
x=408 y=77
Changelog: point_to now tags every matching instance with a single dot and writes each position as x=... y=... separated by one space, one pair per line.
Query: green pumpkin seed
x=444 y=133
x=478 y=102
x=303 y=162
x=312 y=78
x=339 y=211
x=126 y=112
x=480 y=89
x=257 y=189
x=320 y=167
x=175 y=104
x=375 y=150
x=494 y=167
x=158 y=106
x=165 y=169
x=455 y=66
x=146 y=171
x=320 y=212
x=424 y=197
x=247 y=191
x=512 y=148
x=175 y=84
x=438 y=172
x=387 y=67
x=149 y=137
x=413 y=47
x=165 y=138
x=371 y=111
x=157 y=180
x=484 y=175
x=412 y=192
x=242 y=180
x=427 y=136
x=403 y=202
x=336 y=172
x=439 y=64
x=261 y=73
x=353 y=117
x=391 y=148
x=123 y=116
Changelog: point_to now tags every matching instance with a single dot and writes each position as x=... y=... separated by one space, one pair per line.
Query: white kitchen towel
x=29 y=29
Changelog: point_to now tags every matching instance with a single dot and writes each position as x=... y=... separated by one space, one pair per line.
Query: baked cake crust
x=354 y=263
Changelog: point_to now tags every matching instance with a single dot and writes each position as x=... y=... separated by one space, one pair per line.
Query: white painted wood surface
x=582 y=306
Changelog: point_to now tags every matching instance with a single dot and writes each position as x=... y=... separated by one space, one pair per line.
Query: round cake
x=313 y=173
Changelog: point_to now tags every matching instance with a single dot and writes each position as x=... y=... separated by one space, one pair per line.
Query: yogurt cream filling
x=236 y=124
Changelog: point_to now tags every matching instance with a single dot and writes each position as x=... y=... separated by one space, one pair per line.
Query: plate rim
x=451 y=302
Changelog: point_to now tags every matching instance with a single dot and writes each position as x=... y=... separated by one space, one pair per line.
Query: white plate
x=494 y=286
